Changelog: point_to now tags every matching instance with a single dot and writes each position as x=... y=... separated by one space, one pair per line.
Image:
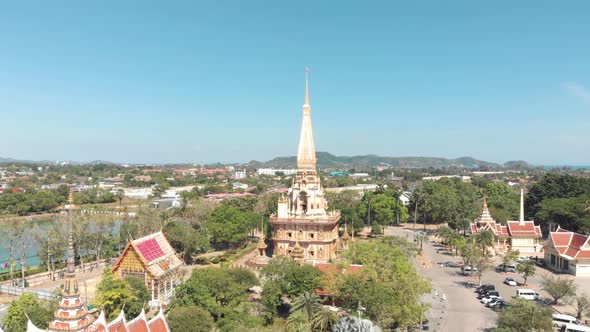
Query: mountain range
x=328 y=160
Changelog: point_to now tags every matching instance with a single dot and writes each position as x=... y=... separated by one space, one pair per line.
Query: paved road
x=3 y=309
x=454 y=306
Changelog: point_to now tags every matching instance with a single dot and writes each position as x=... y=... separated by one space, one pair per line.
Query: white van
x=560 y=320
x=527 y=294
x=574 y=328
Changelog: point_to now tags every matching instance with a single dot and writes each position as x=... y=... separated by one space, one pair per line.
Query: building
x=238 y=175
x=568 y=252
x=518 y=235
x=463 y=178
x=274 y=171
x=404 y=197
x=361 y=189
x=72 y=314
x=153 y=260
x=303 y=228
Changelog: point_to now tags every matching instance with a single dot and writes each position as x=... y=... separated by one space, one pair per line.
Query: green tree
x=555 y=186
x=185 y=239
x=307 y=303
x=229 y=225
x=510 y=256
x=389 y=288
x=190 y=318
x=558 y=288
x=502 y=201
x=217 y=290
x=485 y=240
x=526 y=269
x=114 y=294
x=324 y=319
x=582 y=305
x=27 y=304
x=525 y=316
x=292 y=278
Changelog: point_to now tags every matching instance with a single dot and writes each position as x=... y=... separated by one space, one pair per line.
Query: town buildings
x=303 y=228
x=518 y=235
x=568 y=252
x=274 y=171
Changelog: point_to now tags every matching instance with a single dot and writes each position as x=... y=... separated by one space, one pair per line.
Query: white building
x=240 y=175
x=360 y=188
x=273 y=171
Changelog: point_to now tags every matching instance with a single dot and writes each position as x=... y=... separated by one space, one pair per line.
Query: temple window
x=289 y=235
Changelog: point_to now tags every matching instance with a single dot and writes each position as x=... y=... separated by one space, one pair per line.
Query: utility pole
x=415 y=213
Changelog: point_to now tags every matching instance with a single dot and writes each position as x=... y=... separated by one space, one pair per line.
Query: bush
x=215 y=260
x=202 y=261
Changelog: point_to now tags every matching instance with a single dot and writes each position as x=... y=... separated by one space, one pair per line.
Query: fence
x=17 y=291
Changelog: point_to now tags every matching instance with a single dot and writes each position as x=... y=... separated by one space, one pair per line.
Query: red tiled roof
x=578 y=241
x=150 y=250
x=140 y=325
x=526 y=229
x=570 y=244
x=159 y=324
x=118 y=327
x=155 y=252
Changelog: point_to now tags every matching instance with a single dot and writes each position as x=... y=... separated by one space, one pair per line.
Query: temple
x=518 y=235
x=72 y=314
x=153 y=260
x=303 y=228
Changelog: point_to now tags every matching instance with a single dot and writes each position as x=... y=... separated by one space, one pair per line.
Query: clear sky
x=195 y=81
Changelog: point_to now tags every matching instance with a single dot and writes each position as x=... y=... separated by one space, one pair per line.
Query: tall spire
x=306 y=102
x=521 y=217
x=306 y=159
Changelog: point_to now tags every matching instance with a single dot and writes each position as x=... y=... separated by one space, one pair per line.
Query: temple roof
x=570 y=244
x=155 y=252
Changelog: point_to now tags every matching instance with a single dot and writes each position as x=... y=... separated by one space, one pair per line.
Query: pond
x=38 y=228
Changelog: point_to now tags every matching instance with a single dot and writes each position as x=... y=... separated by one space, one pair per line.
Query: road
x=454 y=306
x=3 y=309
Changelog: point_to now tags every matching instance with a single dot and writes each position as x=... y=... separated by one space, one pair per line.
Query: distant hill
x=517 y=164
x=328 y=160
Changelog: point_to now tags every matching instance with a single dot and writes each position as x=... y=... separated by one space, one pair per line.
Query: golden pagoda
x=302 y=222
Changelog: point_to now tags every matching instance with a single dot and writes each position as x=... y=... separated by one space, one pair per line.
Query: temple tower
x=72 y=313
x=302 y=226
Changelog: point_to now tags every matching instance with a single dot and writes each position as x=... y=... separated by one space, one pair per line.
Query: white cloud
x=579 y=91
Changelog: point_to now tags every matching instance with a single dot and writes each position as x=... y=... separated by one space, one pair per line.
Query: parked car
x=485 y=287
x=488 y=293
x=510 y=282
x=540 y=263
x=489 y=299
x=506 y=268
x=468 y=270
x=494 y=302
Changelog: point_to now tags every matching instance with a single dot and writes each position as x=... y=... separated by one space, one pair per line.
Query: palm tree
x=485 y=239
x=324 y=319
x=308 y=303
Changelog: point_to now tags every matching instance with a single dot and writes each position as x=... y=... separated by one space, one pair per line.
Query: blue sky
x=204 y=82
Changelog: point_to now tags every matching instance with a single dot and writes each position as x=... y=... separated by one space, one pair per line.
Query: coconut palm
x=324 y=319
x=308 y=303
x=485 y=239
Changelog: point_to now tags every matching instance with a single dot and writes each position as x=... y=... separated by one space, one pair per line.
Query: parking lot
x=454 y=306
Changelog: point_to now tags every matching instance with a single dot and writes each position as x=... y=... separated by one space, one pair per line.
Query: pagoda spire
x=306 y=158
x=306 y=101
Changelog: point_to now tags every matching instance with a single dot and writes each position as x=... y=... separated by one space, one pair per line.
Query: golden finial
x=485 y=202
x=306 y=102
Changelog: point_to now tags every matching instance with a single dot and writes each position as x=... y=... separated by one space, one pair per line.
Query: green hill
x=328 y=160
